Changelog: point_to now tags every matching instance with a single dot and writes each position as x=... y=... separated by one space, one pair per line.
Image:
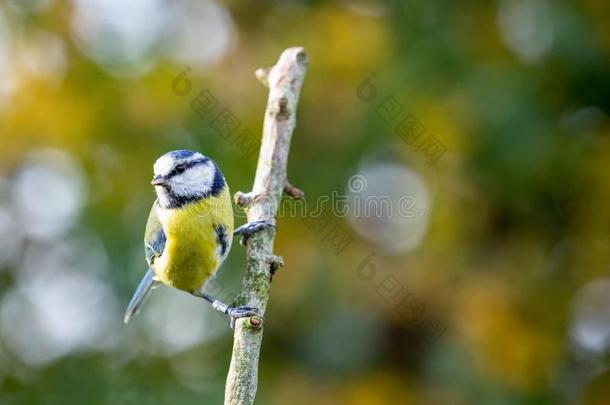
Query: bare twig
x=294 y=192
x=284 y=81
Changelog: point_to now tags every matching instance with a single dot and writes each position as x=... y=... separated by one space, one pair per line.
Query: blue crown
x=181 y=154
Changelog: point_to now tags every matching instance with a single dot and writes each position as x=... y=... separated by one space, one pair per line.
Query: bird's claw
x=241 y=312
x=249 y=229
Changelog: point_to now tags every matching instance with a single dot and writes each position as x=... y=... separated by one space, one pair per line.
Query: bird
x=189 y=230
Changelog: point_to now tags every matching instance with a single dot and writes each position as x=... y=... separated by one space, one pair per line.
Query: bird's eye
x=180 y=168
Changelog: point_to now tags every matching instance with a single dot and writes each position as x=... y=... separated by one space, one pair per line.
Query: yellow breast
x=192 y=252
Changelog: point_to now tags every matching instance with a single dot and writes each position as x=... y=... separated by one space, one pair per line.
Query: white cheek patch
x=163 y=165
x=197 y=180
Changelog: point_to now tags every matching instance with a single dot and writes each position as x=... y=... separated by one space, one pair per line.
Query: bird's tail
x=140 y=295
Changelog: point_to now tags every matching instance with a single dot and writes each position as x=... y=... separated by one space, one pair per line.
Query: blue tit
x=189 y=230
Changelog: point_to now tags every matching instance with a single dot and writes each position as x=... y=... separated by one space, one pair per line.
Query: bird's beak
x=159 y=180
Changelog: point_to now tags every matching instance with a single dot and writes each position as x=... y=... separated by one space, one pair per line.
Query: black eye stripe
x=177 y=201
x=186 y=166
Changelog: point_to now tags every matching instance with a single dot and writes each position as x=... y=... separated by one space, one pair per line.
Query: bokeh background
x=492 y=287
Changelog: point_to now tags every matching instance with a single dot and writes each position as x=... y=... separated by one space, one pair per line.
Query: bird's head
x=184 y=176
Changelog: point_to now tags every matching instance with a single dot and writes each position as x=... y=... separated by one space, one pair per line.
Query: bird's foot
x=236 y=312
x=241 y=312
x=251 y=228
x=233 y=312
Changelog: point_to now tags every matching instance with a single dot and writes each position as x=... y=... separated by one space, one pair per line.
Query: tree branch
x=284 y=81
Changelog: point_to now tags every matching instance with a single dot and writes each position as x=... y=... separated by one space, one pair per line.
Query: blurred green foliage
x=515 y=257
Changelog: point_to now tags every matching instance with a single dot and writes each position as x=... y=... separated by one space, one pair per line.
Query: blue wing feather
x=154 y=237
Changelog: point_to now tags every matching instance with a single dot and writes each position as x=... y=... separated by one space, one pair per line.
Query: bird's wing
x=154 y=237
x=154 y=243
